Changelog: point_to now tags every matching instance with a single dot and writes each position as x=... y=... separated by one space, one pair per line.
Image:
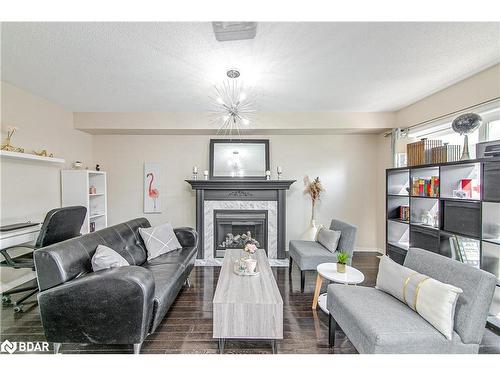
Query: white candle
x=268 y=173
x=195 y=169
x=279 y=169
x=205 y=173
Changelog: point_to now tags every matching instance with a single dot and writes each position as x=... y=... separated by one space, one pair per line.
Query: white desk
x=19 y=236
x=11 y=278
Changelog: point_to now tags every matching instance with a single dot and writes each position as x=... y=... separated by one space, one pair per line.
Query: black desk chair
x=60 y=224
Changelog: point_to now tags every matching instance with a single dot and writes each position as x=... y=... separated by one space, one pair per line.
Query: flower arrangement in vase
x=250 y=249
x=314 y=189
x=342 y=259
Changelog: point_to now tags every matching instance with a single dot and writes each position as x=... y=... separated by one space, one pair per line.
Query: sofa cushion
x=376 y=322
x=433 y=300
x=182 y=256
x=159 y=240
x=328 y=238
x=105 y=257
x=308 y=254
x=168 y=281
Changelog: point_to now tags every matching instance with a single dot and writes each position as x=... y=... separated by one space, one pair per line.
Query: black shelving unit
x=477 y=218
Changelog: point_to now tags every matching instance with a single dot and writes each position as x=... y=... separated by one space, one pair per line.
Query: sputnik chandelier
x=232 y=108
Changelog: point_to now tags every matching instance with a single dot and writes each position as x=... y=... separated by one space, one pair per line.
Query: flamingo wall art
x=152 y=202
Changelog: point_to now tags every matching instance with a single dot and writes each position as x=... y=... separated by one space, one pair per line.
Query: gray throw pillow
x=329 y=238
x=106 y=257
x=159 y=240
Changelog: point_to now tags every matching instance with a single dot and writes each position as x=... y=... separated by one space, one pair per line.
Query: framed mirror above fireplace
x=239 y=159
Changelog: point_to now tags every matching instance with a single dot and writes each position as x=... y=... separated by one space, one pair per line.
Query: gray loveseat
x=309 y=254
x=376 y=322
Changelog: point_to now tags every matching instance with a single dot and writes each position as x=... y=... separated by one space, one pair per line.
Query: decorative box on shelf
x=421 y=152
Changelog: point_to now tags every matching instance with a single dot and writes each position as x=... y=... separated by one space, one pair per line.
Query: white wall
x=30 y=189
x=347 y=165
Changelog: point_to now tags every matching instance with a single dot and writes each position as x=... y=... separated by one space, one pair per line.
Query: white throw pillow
x=159 y=240
x=105 y=257
x=328 y=238
x=431 y=299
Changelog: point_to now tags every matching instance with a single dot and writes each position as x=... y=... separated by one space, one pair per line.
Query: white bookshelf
x=76 y=186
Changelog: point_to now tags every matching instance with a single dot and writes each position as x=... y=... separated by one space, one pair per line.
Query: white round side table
x=328 y=271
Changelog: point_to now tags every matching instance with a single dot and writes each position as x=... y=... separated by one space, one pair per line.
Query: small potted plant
x=342 y=259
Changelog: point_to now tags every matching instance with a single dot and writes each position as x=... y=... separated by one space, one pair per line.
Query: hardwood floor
x=187 y=328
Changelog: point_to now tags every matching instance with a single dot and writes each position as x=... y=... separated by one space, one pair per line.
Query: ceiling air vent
x=225 y=31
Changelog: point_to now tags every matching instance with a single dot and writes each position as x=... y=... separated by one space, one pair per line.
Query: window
x=493 y=132
x=488 y=131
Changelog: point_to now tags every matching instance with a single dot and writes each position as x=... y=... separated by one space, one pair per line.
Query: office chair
x=60 y=224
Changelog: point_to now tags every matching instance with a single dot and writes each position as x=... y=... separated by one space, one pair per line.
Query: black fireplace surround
x=242 y=190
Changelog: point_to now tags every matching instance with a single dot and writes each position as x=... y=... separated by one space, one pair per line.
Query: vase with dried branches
x=314 y=189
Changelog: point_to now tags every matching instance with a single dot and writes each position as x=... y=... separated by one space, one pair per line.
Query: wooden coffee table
x=247 y=307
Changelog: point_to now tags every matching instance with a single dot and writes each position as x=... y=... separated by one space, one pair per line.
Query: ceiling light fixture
x=232 y=108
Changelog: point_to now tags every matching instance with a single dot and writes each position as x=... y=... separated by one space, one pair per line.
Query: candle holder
x=268 y=175
x=195 y=172
x=205 y=174
x=280 y=172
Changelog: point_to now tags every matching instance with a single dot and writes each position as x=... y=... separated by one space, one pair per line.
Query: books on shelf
x=404 y=213
x=421 y=152
x=446 y=153
x=425 y=187
x=465 y=250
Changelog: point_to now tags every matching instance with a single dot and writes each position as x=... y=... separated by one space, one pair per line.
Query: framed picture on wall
x=152 y=178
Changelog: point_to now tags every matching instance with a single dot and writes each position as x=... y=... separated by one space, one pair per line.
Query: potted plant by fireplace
x=342 y=259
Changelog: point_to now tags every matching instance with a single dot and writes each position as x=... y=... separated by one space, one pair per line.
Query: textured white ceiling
x=288 y=66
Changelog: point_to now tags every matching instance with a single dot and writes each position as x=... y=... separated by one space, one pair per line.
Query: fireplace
x=233 y=229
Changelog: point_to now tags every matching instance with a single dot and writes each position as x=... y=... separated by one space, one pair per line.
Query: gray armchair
x=376 y=322
x=309 y=254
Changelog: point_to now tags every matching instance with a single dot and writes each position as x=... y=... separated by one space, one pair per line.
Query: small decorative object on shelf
x=92 y=190
x=77 y=165
x=97 y=167
x=205 y=174
x=268 y=175
x=92 y=226
x=464 y=125
x=279 y=170
x=195 y=172
x=7 y=146
x=428 y=219
x=342 y=259
x=43 y=153
x=313 y=189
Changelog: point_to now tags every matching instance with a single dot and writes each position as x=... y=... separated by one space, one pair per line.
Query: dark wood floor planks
x=187 y=328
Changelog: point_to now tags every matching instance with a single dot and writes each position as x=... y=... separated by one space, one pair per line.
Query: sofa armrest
x=187 y=237
x=112 y=306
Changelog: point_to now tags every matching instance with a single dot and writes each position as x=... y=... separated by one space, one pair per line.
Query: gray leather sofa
x=114 y=306
x=376 y=322
x=309 y=254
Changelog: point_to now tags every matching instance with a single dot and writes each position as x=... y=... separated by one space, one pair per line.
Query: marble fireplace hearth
x=260 y=195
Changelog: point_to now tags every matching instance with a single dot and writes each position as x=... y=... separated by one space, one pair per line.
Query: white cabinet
x=86 y=188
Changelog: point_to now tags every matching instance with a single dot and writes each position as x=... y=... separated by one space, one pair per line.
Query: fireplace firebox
x=233 y=229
